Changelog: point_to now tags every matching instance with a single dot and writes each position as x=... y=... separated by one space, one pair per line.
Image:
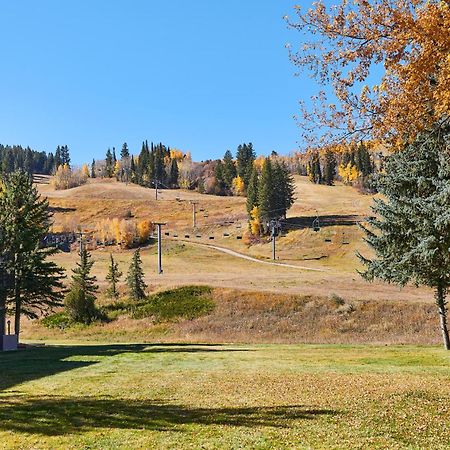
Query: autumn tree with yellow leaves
x=409 y=40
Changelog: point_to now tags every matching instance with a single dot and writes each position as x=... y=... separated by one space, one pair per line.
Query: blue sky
x=199 y=75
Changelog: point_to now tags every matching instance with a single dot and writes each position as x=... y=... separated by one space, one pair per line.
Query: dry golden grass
x=256 y=317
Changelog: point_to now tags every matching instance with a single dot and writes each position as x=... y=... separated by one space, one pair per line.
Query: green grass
x=200 y=396
x=186 y=302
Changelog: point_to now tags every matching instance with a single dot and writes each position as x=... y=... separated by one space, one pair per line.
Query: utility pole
x=194 y=214
x=159 y=225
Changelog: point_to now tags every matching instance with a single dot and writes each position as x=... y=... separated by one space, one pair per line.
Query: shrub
x=80 y=307
x=59 y=320
x=188 y=302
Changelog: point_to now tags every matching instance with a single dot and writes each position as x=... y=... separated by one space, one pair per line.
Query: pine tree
x=114 y=158
x=411 y=231
x=80 y=300
x=245 y=157
x=283 y=185
x=93 y=169
x=58 y=157
x=25 y=219
x=124 y=153
x=135 y=277
x=266 y=193
x=229 y=169
x=113 y=278
x=174 y=173
x=65 y=155
x=329 y=169
x=252 y=191
x=109 y=164
x=218 y=173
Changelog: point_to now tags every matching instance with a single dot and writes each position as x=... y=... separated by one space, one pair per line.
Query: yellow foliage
x=238 y=186
x=348 y=173
x=85 y=170
x=116 y=168
x=259 y=162
x=144 y=228
x=255 y=221
x=176 y=154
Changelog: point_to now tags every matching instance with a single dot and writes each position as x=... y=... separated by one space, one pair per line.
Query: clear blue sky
x=199 y=75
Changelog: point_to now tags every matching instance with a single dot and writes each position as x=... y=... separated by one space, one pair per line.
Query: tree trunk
x=440 y=295
x=18 y=305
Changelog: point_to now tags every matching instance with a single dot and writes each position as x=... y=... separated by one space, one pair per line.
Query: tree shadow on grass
x=61 y=415
x=34 y=363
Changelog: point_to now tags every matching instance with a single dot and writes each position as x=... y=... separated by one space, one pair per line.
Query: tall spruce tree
x=80 y=300
x=266 y=193
x=58 y=157
x=283 y=185
x=410 y=233
x=124 y=153
x=174 y=173
x=245 y=156
x=229 y=169
x=93 y=175
x=252 y=190
x=113 y=277
x=36 y=283
x=135 y=277
x=109 y=163
x=329 y=168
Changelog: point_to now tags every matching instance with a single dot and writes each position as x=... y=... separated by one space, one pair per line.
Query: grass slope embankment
x=200 y=314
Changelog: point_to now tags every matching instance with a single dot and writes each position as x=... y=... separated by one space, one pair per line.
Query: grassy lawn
x=201 y=396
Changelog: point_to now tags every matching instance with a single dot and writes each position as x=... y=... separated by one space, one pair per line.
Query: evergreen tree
x=363 y=161
x=411 y=231
x=109 y=163
x=25 y=219
x=124 y=153
x=135 y=277
x=229 y=169
x=329 y=169
x=218 y=173
x=113 y=278
x=283 y=185
x=65 y=155
x=266 y=193
x=252 y=190
x=174 y=173
x=114 y=158
x=80 y=300
x=58 y=157
x=133 y=170
x=93 y=175
x=314 y=170
x=245 y=157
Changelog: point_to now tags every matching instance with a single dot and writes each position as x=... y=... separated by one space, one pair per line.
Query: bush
x=80 y=307
x=188 y=302
x=59 y=320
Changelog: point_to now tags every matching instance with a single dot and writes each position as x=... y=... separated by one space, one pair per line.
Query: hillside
x=191 y=261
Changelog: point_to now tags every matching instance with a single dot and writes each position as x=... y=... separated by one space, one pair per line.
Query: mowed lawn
x=225 y=396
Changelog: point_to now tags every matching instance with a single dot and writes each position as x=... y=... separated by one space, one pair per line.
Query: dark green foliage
x=80 y=300
x=113 y=277
x=35 y=283
x=229 y=170
x=13 y=158
x=314 y=170
x=109 y=164
x=411 y=231
x=363 y=160
x=245 y=157
x=59 y=320
x=329 y=168
x=65 y=155
x=188 y=302
x=266 y=192
x=252 y=190
x=124 y=153
x=283 y=186
x=173 y=175
x=135 y=278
